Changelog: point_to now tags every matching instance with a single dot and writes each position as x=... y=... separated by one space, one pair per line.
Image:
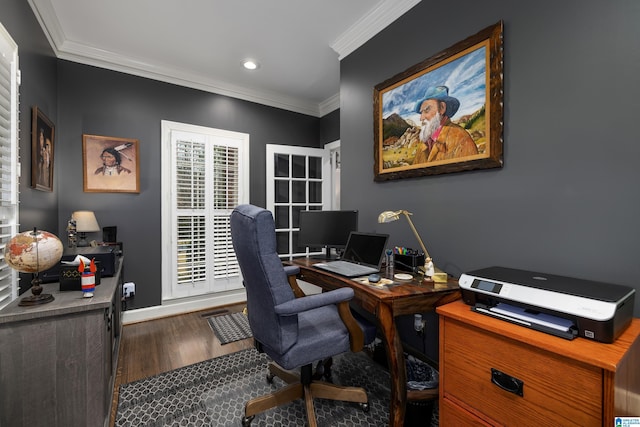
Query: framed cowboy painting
x=444 y=114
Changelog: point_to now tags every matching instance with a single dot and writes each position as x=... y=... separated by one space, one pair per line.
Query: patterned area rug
x=230 y=327
x=213 y=393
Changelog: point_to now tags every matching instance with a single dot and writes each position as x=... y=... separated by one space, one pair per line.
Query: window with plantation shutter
x=8 y=160
x=207 y=176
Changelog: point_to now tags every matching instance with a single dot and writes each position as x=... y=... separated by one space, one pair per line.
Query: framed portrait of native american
x=42 y=150
x=110 y=164
x=444 y=114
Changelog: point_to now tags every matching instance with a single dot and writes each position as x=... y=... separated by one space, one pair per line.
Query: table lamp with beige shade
x=85 y=223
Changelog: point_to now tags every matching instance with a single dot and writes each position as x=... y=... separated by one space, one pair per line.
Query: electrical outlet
x=129 y=290
x=419 y=323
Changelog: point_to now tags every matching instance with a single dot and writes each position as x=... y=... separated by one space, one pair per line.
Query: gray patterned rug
x=213 y=393
x=230 y=327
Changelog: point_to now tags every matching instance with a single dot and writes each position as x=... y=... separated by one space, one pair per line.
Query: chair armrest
x=341 y=297
x=310 y=302
x=356 y=336
x=292 y=271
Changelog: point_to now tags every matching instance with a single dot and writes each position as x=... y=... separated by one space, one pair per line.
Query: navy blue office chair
x=293 y=332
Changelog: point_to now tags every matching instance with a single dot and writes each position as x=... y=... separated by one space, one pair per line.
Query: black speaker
x=109 y=234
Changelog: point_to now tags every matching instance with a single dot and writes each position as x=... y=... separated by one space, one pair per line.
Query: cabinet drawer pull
x=507 y=382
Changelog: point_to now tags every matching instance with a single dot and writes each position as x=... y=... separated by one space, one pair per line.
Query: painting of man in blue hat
x=441 y=138
x=438 y=117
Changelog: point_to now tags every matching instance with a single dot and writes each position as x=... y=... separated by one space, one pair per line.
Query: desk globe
x=33 y=252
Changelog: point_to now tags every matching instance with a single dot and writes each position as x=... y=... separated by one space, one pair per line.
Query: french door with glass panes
x=298 y=178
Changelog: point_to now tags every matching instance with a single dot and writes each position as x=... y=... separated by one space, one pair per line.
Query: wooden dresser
x=543 y=379
x=58 y=360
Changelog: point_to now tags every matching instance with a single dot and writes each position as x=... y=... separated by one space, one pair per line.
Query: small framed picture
x=42 y=148
x=110 y=164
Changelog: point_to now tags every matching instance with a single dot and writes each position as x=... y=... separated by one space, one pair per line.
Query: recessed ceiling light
x=250 y=64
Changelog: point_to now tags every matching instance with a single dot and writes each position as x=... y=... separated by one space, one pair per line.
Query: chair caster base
x=364 y=406
x=246 y=421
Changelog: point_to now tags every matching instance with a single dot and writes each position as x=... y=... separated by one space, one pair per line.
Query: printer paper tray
x=568 y=333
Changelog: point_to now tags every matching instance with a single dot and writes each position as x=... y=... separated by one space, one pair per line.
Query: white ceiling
x=202 y=43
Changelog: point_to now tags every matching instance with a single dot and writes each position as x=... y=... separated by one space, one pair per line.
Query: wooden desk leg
x=397 y=367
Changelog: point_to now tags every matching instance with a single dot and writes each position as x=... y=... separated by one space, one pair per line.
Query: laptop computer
x=362 y=255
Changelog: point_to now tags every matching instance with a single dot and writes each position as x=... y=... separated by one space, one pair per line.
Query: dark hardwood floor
x=156 y=346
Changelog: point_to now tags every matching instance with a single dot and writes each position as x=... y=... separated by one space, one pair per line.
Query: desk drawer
x=555 y=391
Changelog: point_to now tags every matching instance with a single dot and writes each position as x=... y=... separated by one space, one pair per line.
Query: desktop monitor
x=326 y=229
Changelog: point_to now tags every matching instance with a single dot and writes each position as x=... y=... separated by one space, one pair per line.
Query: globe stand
x=36 y=297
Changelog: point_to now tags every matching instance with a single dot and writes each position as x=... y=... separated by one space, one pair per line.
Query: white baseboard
x=184 y=305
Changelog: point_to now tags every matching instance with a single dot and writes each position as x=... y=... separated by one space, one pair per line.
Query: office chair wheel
x=323 y=369
x=246 y=421
x=364 y=406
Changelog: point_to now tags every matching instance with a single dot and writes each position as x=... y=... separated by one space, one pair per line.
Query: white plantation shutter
x=190 y=208
x=209 y=179
x=8 y=160
x=225 y=198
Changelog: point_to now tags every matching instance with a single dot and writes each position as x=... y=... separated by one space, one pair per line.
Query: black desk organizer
x=409 y=262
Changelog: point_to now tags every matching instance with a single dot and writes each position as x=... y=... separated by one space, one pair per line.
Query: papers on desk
x=365 y=280
x=533 y=317
x=548 y=323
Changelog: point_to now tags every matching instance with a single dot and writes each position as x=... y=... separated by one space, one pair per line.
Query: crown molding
x=49 y=22
x=329 y=105
x=368 y=26
x=371 y=24
x=105 y=59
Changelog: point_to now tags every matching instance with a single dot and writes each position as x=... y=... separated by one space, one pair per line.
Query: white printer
x=562 y=306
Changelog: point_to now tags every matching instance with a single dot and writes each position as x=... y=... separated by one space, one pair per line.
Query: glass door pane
x=298 y=177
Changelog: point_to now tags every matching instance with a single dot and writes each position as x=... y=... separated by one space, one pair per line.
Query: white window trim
x=9 y=225
x=168 y=218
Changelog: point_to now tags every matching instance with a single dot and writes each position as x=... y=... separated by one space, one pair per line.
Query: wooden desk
x=386 y=303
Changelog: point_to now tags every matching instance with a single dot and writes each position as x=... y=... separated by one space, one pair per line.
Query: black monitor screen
x=326 y=229
x=366 y=248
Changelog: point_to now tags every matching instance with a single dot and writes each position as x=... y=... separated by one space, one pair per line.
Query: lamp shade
x=388 y=216
x=85 y=221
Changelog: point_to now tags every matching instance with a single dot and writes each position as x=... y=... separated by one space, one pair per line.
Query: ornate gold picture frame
x=444 y=114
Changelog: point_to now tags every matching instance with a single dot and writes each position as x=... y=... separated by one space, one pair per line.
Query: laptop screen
x=365 y=248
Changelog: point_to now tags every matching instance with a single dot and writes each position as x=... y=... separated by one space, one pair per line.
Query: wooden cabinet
x=58 y=360
x=496 y=373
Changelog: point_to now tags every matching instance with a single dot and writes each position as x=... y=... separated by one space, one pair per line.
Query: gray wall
x=38 y=74
x=102 y=102
x=38 y=88
x=82 y=99
x=330 y=127
x=566 y=201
